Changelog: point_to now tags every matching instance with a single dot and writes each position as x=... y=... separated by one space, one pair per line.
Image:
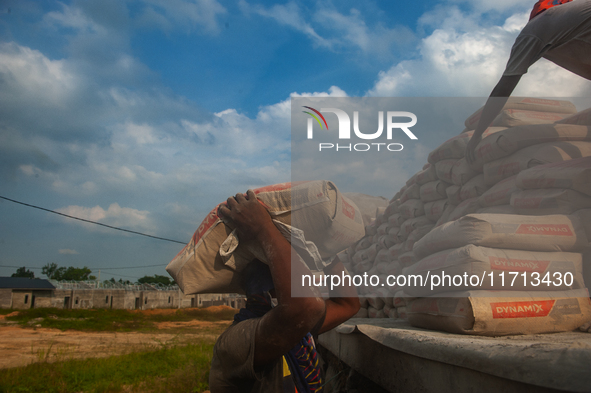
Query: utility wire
x=91 y=222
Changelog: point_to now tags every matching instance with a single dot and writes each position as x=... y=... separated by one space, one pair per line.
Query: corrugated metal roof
x=25 y=283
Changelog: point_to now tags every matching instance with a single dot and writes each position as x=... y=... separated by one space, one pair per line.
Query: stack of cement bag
x=520 y=208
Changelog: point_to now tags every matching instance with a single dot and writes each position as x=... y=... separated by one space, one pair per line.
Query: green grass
x=111 y=320
x=166 y=369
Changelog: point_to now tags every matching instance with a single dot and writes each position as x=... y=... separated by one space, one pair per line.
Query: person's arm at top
x=495 y=103
x=293 y=317
x=343 y=302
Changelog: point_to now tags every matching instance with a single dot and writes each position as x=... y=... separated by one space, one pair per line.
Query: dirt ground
x=21 y=346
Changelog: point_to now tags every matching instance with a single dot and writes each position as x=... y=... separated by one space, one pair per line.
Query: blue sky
x=146 y=114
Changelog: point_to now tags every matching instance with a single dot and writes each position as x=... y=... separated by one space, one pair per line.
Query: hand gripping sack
x=213 y=258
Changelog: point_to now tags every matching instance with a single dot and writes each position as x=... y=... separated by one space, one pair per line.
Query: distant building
x=24 y=293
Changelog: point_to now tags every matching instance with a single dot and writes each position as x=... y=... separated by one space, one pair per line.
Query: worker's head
x=256 y=278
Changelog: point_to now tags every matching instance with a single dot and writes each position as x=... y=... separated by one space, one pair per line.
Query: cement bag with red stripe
x=534 y=233
x=527 y=104
x=574 y=174
x=315 y=210
x=485 y=313
x=473 y=267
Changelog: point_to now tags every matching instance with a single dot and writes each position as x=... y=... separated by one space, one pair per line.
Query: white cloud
x=464 y=59
x=188 y=15
x=114 y=215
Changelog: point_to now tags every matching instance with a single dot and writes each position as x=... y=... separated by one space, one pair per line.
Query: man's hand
x=250 y=217
x=471 y=148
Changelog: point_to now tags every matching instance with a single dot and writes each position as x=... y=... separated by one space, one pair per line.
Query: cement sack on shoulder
x=498 y=209
x=416 y=235
x=412 y=192
x=528 y=104
x=534 y=233
x=445 y=216
x=582 y=118
x=426 y=175
x=443 y=169
x=484 y=313
x=509 y=141
x=433 y=191
x=327 y=218
x=475 y=187
x=545 y=153
x=407 y=259
x=367 y=204
x=413 y=223
x=574 y=174
x=500 y=193
x=412 y=208
x=549 y=201
x=456 y=146
x=473 y=267
x=466 y=207
x=434 y=210
x=453 y=195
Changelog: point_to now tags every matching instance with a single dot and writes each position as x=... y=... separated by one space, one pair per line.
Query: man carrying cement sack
x=271 y=349
x=558 y=30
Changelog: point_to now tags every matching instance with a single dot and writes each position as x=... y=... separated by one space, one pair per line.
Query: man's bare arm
x=282 y=327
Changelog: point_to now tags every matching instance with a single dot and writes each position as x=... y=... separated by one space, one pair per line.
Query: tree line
x=61 y=273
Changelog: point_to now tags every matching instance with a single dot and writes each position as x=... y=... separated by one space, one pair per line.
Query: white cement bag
x=574 y=174
x=434 y=210
x=456 y=146
x=529 y=157
x=389 y=268
x=462 y=172
x=498 y=209
x=471 y=267
x=528 y=104
x=475 y=187
x=534 y=233
x=465 y=207
x=412 y=224
x=407 y=259
x=416 y=235
x=368 y=205
x=412 y=208
x=433 y=191
x=549 y=201
x=326 y=217
x=412 y=192
x=445 y=216
x=500 y=193
x=453 y=195
x=509 y=141
x=396 y=220
x=483 y=313
x=443 y=169
x=426 y=175
x=582 y=118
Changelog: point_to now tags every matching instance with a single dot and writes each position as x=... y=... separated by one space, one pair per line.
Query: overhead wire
x=90 y=221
